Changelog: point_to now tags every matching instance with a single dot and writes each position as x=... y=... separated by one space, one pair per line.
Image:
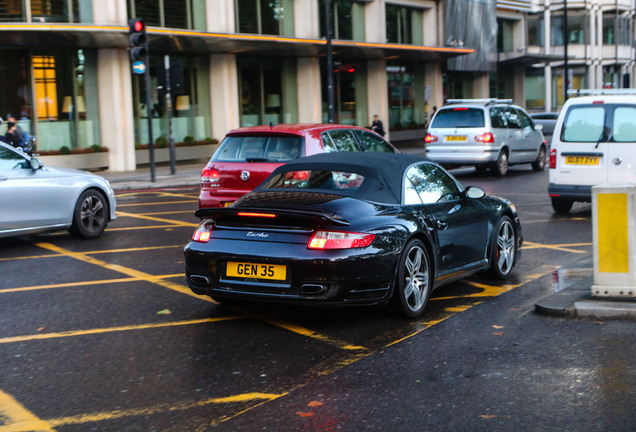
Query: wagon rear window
x=459 y=118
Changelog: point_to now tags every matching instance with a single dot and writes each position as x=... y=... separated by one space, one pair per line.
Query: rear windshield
x=459 y=118
x=258 y=148
x=583 y=123
x=316 y=179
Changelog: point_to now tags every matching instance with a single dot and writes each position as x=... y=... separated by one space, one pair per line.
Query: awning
x=172 y=41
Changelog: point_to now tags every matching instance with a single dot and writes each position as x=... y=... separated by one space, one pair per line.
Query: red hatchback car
x=246 y=156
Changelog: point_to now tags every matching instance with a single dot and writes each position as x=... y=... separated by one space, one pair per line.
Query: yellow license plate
x=256 y=271
x=227 y=203
x=582 y=160
x=456 y=138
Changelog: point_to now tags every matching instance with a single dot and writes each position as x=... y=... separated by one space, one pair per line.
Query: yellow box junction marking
x=16 y=418
x=613 y=240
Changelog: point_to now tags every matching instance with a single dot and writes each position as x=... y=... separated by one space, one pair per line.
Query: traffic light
x=138 y=45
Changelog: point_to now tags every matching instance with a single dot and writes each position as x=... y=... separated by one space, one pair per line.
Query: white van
x=594 y=142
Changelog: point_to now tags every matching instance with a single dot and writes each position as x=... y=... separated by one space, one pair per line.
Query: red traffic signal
x=136 y=25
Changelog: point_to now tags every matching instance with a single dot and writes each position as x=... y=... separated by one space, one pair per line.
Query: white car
x=594 y=142
x=37 y=198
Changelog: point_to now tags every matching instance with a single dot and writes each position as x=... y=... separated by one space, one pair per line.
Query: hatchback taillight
x=203 y=232
x=340 y=240
x=553 y=157
x=430 y=138
x=210 y=175
x=486 y=138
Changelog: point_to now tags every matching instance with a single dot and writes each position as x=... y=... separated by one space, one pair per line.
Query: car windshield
x=316 y=179
x=258 y=148
x=459 y=117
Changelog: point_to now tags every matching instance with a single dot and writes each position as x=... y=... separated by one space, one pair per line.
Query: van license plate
x=456 y=138
x=256 y=271
x=582 y=160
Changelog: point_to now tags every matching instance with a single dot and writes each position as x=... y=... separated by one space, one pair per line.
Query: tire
x=414 y=280
x=504 y=248
x=501 y=166
x=539 y=164
x=90 y=216
x=561 y=205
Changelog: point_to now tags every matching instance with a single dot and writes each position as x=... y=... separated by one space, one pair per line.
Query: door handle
x=441 y=225
x=617 y=160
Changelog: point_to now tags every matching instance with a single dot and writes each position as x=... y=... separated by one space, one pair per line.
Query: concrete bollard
x=614 y=237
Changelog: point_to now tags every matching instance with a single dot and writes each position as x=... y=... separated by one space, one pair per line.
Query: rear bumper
x=579 y=193
x=463 y=156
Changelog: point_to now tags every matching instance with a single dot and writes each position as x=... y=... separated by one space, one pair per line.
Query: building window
x=505 y=35
x=341 y=19
x=347 y=88
x=47 y=11
x=260 y=91
x=399 y=28
x=262 y=16
x=577 y=29
x=167 y=13
x=535 y=30
x=609 y=22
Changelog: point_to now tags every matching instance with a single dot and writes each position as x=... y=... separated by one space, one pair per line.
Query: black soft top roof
x=382 y=172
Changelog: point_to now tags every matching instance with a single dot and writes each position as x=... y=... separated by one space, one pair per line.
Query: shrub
x=65 y=150
x=161 y=142
x=189 y=140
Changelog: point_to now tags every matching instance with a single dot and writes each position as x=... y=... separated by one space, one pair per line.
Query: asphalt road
x=104 y=335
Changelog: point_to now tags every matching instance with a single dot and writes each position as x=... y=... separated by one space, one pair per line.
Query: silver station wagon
x=487 y=133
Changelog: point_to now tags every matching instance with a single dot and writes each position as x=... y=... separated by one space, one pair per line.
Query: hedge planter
x=182 y=153
x=84 y=161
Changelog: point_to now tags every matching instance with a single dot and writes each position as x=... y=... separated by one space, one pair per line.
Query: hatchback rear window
x=459 y=118
x=259 y=148
x=583 y=124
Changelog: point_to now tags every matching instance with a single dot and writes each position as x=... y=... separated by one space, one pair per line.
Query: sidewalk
x=573 y=299
x=186 y=175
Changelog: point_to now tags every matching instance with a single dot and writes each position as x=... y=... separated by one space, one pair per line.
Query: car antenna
x=271 y=125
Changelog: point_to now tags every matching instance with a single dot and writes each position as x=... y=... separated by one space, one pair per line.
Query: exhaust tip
x=200 y=279
x=313 y=289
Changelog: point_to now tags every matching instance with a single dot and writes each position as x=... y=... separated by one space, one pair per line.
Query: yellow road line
x=42 y=336
x=160 y=409
x=125 y=270
x=97 y=252
x=154 y=219
x=154 y=203
x=137 y=228
x=16 y=418
x=559 y=247
x=86 y=283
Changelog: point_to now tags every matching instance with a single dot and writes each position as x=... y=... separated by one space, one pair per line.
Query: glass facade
x=535 y=25
x=74 y=11
x=399 y=24
x=190 y=102
x=183 y=14
x=342 y=12
x=407 y=104
x=273 y=17
x=53 y=95
x=349 y=87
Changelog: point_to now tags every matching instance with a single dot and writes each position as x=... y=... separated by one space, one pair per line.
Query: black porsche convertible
x=352 y=228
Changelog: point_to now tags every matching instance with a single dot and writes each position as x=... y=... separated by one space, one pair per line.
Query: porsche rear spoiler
x=260 y=213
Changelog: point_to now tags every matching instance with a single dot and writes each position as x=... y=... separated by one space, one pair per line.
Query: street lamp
x=330 y=94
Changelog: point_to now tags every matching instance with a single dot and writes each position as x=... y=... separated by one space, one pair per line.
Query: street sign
x=139 y=67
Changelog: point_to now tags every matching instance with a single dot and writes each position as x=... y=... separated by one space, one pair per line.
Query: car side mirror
x=474 y=192
x=35 y=164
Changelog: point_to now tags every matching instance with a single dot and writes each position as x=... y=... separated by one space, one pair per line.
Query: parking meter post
x=614 y=240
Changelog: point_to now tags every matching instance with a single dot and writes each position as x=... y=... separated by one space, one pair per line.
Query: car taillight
x=430 y=138
x=340 y=240
x=210 y=175
x=553 y=155
x=487 y=138
x=203 y=232
x=256 y=214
